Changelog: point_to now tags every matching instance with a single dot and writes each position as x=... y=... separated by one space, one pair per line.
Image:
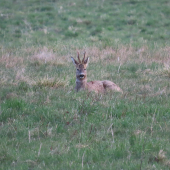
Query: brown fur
x=96 y=86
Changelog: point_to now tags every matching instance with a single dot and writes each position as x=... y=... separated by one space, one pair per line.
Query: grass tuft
x=165 y=71
x=50 y=82
x=46 y=56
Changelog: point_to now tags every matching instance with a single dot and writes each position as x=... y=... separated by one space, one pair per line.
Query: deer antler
x=84 y=57
x=78 y=57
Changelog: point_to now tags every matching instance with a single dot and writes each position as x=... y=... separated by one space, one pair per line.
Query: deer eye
x=77 y=69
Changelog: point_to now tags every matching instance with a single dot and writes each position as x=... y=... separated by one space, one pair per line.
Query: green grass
x=45 y=124
x=25 y=22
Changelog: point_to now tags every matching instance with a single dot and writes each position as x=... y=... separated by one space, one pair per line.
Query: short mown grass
x=45 y=124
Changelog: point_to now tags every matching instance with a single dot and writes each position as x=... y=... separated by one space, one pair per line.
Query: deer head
x=81 y=73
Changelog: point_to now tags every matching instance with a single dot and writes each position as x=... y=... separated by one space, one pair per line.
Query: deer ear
x=86 y=61
x=74 y=61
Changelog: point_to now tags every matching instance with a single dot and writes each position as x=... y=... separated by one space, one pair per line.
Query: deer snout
x=81 y=76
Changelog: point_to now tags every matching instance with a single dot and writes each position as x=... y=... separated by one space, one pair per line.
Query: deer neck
x=81 y=84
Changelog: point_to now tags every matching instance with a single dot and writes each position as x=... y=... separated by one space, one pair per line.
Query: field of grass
x=45 y=124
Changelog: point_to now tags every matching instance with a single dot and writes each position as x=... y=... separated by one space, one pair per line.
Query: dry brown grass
x=47 y=56
x=162 y=55
x=60 y=56
x=165 y=71
x=10 y=61
x=119 y=55
x=124 y=54
x=21 y=76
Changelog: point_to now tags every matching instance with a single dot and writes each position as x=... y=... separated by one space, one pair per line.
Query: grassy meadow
x=45 y=124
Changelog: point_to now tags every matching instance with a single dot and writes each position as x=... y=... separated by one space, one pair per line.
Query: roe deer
x=96 y=86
